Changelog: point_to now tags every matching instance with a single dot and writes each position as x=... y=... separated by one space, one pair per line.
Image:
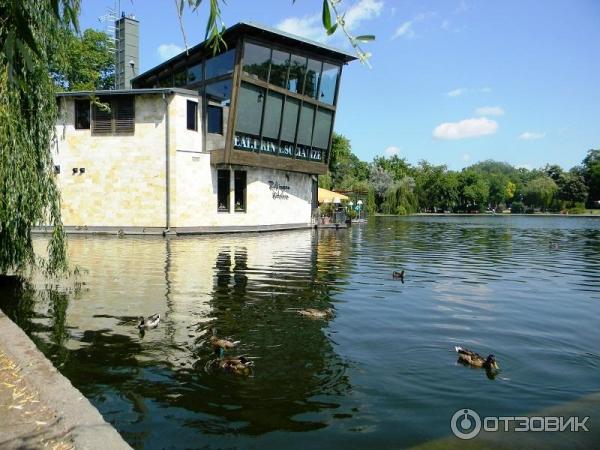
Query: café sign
x=278 y=190
x=245 y=142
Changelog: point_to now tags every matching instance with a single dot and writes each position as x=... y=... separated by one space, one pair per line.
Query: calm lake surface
x=381 y=373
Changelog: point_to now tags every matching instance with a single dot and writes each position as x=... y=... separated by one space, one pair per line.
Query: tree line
x=394 y=186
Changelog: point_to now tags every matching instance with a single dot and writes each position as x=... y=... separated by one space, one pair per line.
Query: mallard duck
x=476 y=360
x=238 y=365
x=149 y=323
x=316 y=313
x=398 y=275
x=220 y=345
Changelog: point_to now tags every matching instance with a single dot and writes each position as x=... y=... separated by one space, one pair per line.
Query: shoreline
x=596 y=216
x=73 y=417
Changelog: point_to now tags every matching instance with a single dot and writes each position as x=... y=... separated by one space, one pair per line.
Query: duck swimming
x=476 y=360
x=238 y=365
x=149 y=323
x=312 y=313
x=220 y=345
x=398 y=275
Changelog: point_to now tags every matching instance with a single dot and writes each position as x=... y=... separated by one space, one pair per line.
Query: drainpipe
x=167 y=168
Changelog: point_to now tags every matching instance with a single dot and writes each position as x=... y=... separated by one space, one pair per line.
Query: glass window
x=256 y=61
x=192 y=115
x=239 y=181
x=272 y=119
x=194 y=74
x=313 y=73
x=124 y=114
x=290 y=119
x=220 y=65
x=328 y=83
x=214 y=119
x=180 y=78
x=223 y=190
x=219 y=92
x=250 y=105
x=82 y=114
x=305 y=125
x=297 y=72
x=322 y=129
x=280 y=62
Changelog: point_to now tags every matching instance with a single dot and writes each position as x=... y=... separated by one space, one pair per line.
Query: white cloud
x=456 y=92
x=489 y=111
x=531 y=136
x=311 y=26
x=362 y=10
x=460 y=91
x=167 y=51
x=391 y=151
x=405 y=30
x=465 y=129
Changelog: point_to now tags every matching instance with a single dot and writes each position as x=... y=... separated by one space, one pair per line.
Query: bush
x=401 y=211
x=517 y=208
x=577 y=209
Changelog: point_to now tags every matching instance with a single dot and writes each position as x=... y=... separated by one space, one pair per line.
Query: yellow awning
x=326 y=196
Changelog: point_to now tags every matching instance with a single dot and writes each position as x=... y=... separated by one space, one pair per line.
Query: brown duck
x=238 y=365
x=476 y=360
x=316 y=314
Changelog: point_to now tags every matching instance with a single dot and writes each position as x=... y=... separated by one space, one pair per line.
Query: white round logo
x=465 y=424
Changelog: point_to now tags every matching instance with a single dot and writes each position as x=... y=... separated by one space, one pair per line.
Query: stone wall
x=124 y=183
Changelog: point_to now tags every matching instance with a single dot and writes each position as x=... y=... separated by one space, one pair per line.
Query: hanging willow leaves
x=29 y=33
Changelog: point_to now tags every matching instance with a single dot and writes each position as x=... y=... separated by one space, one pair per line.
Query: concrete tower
x=127 y=40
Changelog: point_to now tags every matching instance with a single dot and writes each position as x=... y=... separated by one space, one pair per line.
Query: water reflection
x=381 y=372
x=244 y=286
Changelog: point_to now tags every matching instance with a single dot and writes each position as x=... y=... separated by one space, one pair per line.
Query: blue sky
x=453 y=81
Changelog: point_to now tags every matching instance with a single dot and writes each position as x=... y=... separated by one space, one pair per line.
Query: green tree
x=474 y=190
x=85 y=62
x=591 y=175
x=571 y=188
x=540 y=192
x=30 y=32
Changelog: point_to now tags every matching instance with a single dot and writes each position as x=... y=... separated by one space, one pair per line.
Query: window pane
x=223 y=190
x=313 y=74
x=194 y=74
x=102 y=123
x=306 y=125
x=82 y=114
x=192 y=115
x=240 y=190
x=124 y=114
x=220 y=65
x=250 y=105
x=297 y=72
x=279 y=68
x=256 y=61
x=290 y=118
x=214 y=119
x=328 y=83
x=180 y=78
x=219 y=92
x=272 y=115
x=322 y=129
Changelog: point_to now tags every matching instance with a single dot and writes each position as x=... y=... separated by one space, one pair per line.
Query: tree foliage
x=30 y=32
x=85 y=62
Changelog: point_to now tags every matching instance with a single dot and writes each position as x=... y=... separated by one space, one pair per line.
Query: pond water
x=380 y=373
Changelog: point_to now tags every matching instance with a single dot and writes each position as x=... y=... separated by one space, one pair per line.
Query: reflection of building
x=204 y=142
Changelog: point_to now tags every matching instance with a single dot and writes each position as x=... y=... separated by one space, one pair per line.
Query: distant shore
x=594 y=215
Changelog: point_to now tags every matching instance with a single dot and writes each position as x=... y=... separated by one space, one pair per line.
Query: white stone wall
x=124 y=184
x=197 y=196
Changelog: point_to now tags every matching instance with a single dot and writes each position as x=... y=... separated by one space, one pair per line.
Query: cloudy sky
x=452 y=81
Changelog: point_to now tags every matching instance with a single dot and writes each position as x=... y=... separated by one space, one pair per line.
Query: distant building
x=203 y=142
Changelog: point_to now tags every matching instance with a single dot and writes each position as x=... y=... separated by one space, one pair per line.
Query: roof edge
x=144 y=91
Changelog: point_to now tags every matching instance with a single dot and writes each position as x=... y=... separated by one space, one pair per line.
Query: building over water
x=204 y=142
